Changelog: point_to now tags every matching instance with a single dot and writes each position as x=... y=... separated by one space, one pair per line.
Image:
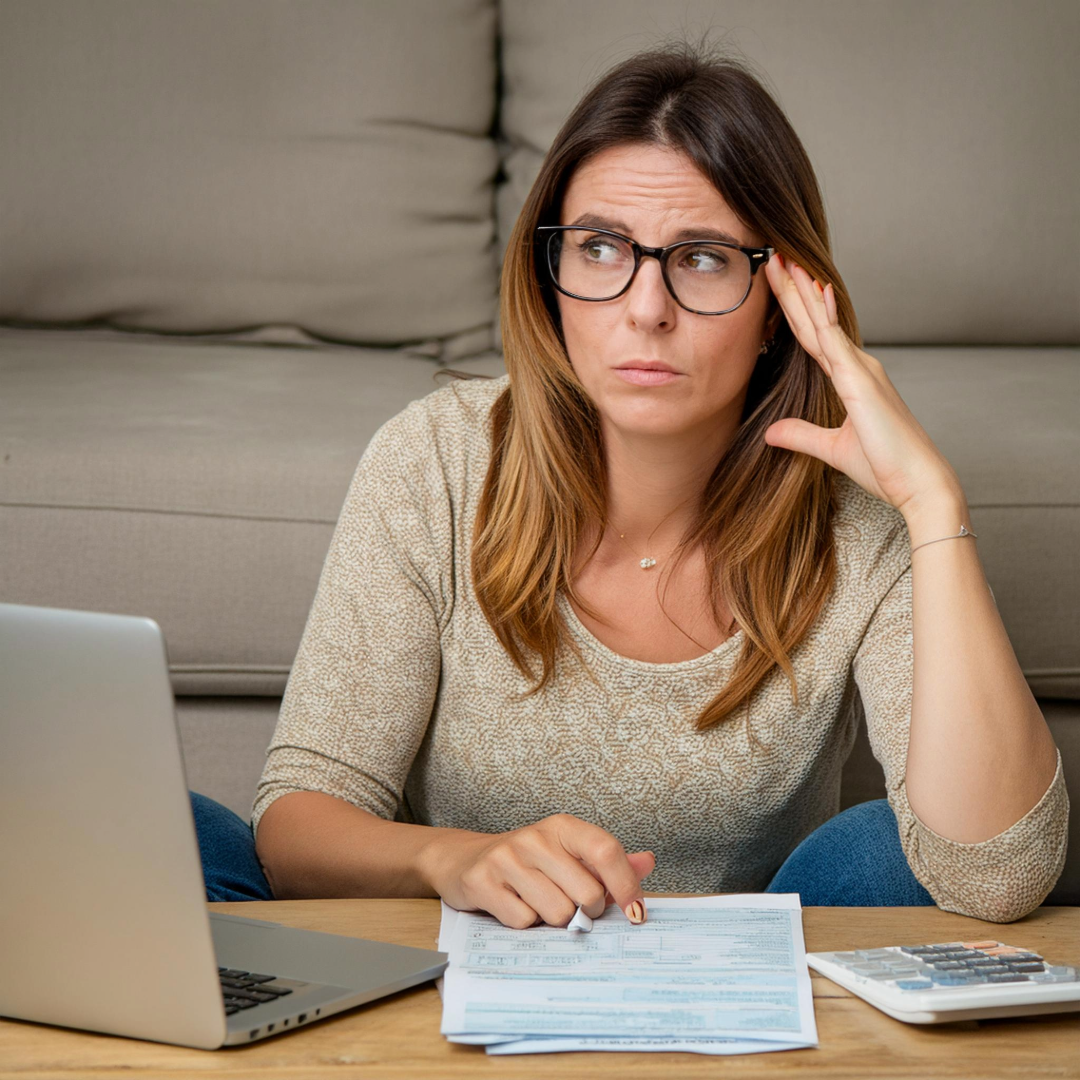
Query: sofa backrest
x=310 y=170
x=944 y=135
x=314 y=169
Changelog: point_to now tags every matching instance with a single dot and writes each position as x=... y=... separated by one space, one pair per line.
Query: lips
x=647 y=365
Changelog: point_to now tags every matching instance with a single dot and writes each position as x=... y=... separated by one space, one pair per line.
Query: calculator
x=953 y=980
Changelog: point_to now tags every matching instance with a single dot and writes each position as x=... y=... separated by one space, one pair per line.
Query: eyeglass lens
x=705 y=277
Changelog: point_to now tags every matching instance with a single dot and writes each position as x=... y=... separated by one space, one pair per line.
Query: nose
x=649 y=303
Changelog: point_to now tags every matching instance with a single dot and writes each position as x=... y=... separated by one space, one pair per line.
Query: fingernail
x=780 y=258
x=819 y=288
x=635 y=912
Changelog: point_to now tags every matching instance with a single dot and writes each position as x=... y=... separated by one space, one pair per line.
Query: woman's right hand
x=539 y=873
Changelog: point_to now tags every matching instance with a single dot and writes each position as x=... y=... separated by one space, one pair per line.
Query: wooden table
x=399 y=1036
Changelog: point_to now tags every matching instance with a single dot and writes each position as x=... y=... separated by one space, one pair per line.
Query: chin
x=645 y=416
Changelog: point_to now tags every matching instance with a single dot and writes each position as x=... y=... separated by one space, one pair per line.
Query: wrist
x=437 y=856
x=936 y=516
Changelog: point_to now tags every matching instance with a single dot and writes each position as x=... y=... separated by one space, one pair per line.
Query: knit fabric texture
x=403 y=702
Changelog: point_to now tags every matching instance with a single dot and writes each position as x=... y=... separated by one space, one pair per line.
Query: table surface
x=399 y=1036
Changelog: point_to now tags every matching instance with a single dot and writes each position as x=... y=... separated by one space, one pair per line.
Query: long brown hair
x=764 y=520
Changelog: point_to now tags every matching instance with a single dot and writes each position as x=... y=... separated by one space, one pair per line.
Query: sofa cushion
x=943 y=136
x=199 y=484
x=297 y=168
x=196 y=484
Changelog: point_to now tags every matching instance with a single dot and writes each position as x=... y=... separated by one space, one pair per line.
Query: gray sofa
x=235 y=238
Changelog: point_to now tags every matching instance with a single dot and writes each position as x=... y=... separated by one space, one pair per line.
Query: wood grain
x=398 y=1037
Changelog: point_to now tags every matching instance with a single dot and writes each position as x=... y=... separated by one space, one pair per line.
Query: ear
x=773 y=321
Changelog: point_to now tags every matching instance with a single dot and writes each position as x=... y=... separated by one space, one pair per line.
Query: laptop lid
x=103 y=917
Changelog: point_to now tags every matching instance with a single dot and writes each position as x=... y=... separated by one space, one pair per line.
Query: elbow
x=1004 y=900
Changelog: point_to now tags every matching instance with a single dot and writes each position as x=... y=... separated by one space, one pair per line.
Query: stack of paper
x=713 y=975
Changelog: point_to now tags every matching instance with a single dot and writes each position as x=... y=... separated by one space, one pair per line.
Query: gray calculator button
x=873 y=954
x=1025 y=967
x=843 y=957
x=983 y=961
x=946 y=965
x=915 y=984
x=1009 y=977
x=950 y=980
x=962 y=954
x=916 y=950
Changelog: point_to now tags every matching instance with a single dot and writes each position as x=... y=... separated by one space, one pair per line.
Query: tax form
x=715 y=975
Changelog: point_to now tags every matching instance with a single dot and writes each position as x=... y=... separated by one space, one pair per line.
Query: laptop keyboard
x=246 y=989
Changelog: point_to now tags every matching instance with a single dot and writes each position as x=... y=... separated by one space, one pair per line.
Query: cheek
x=583 y=333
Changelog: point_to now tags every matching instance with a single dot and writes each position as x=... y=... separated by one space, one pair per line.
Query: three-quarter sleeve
x=363 y=684
x=999 y=879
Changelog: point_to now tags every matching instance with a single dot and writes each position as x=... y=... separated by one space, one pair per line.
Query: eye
x=704 y=260
x=601 y=251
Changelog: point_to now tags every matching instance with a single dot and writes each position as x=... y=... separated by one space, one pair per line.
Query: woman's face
x=657 y=196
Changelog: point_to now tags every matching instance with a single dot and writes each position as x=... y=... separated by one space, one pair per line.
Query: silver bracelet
x=964 y=531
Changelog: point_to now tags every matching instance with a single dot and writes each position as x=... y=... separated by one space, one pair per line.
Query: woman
x=605 y=619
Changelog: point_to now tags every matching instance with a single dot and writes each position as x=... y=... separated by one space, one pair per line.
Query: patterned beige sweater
x=403 y=702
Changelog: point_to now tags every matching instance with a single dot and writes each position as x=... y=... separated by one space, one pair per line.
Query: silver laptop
x=103 y=917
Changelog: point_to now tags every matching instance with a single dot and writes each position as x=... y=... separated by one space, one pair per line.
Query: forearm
x=312 y=845
x=980 y=755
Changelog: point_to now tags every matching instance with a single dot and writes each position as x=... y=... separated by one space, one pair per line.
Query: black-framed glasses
x=707 y=277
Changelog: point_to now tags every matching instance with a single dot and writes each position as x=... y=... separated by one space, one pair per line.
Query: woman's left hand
x=880 y=444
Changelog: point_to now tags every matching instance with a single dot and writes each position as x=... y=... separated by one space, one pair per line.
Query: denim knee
x=231 y=868
x=853 y=860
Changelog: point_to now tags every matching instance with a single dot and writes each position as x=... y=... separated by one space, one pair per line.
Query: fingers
x=792 y=433
x=812 y=312
x=575 y=882
x=605 y=857
x=510 y=909
x=544 y=871
x=797 y=307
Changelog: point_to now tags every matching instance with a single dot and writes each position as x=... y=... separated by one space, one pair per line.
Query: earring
x=765 y=347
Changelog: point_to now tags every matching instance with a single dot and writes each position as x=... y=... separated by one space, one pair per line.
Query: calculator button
x=915 y=984
x=980 y=944
x=962 y=954
x=1010 y=977
x=916 y=950
x=867 y=969
x=1058 y=973
x=946 y=965
x=873 y=954
x=1025 y=967
x=843 y=957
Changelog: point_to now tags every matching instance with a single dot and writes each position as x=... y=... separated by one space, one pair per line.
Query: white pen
x=580 y=922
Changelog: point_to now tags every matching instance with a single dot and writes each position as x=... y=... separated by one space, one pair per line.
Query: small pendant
x=646 y=563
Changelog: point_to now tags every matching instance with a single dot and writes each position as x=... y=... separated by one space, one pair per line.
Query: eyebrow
x=595 y=221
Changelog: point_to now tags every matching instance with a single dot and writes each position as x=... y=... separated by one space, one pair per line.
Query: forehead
x=656 y=192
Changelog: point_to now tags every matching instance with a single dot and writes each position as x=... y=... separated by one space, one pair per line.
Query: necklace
x=647 y=562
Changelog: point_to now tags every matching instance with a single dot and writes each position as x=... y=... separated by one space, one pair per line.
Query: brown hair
x=764 y=520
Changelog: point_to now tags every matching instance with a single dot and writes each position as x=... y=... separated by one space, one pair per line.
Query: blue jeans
x=853 y=860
